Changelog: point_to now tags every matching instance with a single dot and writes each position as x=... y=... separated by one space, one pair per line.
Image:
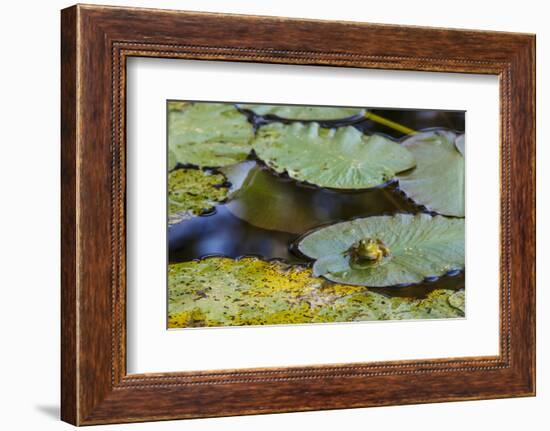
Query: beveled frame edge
x=96 y=41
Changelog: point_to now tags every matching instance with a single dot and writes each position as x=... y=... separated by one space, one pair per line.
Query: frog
x=368 y=251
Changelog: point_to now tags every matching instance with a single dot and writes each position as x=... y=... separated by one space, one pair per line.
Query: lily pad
x=460 y=143
x=437 y=182
x=219 y=291
x=304 y=113
x=386 y=250
x=192 y=192
x=341 y=158
x=208 y=134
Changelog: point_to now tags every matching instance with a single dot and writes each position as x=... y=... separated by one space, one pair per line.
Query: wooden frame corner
x=96 y=41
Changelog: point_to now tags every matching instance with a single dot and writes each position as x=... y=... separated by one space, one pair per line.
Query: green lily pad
x=341 y=158
x=269 y=201
x=238 y=174
x=208 y=134
x=437 y=182
x=192 y=192
x=220 y=291
x=171 y=160
x=304 y=113
x=386 y=250
x=460 y=143
x=176 y=105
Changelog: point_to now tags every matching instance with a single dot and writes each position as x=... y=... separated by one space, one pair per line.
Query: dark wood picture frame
x=95 y=43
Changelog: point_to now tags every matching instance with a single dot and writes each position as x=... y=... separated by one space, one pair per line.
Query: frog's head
x=368 y=251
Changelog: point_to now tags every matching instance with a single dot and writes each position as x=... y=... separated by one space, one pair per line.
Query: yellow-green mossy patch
x=193 y=191
x=220 y=291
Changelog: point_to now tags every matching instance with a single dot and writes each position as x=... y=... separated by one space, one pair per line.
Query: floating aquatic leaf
x=193 y=191
x=370 y=305
x=386 y=250
x=273 y=202
x=172 y=163
x=458 y=300
x=305 y=113
x=176 y=105
x=340 y=158
x=208 y=134
x=437 y=182
x=220 y=291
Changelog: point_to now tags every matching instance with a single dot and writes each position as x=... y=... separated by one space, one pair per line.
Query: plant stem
x=389 y=123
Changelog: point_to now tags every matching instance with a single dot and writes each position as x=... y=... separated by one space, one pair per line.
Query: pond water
x=268 y=212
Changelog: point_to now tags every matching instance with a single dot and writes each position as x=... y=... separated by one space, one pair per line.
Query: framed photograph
x=264 y=214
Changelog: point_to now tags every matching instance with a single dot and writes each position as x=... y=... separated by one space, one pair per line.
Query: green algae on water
x=192 y=192
x=219 y=291
x=338 y=158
